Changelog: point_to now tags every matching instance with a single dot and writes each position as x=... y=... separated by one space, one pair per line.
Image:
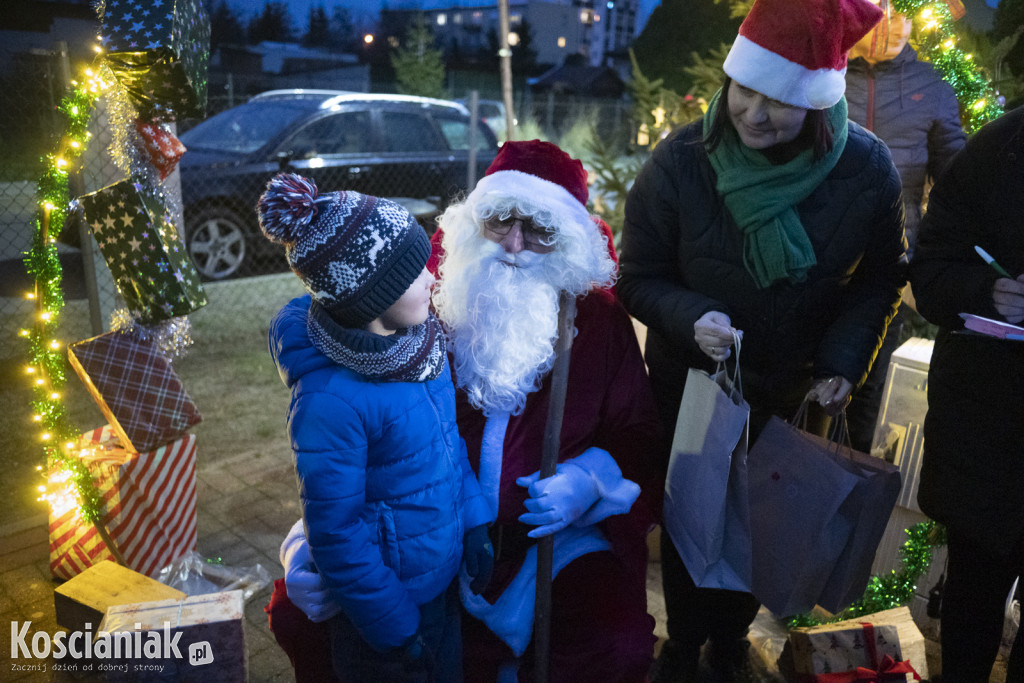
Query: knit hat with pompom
x=355 y=254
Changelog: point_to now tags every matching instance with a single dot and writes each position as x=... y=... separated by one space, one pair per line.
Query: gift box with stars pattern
x=159 y=50
x=144 y=252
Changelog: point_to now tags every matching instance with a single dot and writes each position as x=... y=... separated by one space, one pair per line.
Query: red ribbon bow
x=888 y=669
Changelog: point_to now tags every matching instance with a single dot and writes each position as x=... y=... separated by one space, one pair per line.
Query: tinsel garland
x=171 y=337
x=894 y=589
x=42 y=263
x=979 y=102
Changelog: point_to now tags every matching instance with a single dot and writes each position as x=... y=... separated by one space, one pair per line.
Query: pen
x=992 y=262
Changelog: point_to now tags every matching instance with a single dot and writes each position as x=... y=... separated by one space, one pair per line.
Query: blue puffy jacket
x=386 y=489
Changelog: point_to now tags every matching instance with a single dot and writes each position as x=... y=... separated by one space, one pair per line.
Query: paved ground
x=246 y=505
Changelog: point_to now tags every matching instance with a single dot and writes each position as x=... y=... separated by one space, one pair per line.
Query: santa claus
x=504 y=255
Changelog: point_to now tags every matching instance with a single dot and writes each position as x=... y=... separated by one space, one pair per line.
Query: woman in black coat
x=972 y=475
x=775 y=217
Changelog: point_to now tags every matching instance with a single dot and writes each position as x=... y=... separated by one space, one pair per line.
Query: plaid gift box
x=161 y=146
x=159 y=50
x=146 y=256
x=149 y=506
x=207 y=633
x=136 y=388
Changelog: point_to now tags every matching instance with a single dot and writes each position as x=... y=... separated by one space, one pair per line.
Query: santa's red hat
x=794 y=51
x=539 y=173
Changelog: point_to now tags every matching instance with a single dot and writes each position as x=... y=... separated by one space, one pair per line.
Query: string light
x=48 y=368
x=979 y=102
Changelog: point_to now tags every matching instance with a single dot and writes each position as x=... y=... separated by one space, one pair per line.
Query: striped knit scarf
x=413 y=354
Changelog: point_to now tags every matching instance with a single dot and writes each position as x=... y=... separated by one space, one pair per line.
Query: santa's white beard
x=501 y=320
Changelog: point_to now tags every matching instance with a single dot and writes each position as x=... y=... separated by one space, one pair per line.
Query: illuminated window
x=561 y=41
x=457 y=18
x=442 y=19
x=478 y=17
x=515 y=19
x=513 y=38
x=587 y=17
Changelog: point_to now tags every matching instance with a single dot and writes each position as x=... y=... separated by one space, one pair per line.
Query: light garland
x=47 y=369
x=979 y=102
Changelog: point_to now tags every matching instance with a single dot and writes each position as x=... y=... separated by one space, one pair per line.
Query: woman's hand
x=713 y=334
x=1008 y=296
x=832 y=393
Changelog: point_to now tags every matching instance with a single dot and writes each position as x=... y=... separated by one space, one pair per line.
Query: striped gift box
x=149 y=506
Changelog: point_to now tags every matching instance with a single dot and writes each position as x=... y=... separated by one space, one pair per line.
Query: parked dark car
x=411 y=149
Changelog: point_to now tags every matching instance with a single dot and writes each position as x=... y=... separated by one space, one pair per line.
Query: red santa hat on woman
x=794 y=51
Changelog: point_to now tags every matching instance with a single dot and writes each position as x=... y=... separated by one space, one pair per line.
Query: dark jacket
x=906 y=103
x=387 y=491
x=972 y=477
x=682 y=256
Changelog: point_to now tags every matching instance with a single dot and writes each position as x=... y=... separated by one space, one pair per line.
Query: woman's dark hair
x=816 y=133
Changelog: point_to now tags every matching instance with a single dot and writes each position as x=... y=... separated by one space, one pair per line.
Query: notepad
x=993 y=328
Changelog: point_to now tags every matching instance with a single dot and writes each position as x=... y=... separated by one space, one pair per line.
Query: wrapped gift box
x=211 y=643
x=136 y=388
x=149 y=506
x=145 y=253
x=84 y=599
x=847 y=645
x=159 y=55
x=160 y=145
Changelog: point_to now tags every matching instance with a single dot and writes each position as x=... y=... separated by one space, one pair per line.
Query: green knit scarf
x=762 y=197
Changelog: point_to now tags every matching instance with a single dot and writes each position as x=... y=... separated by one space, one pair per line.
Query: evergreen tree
x=681 y=27
x=342 y=30
x=1006 y=22
x=273 y=23
x=418 y=64
x=319 y=31
x=225 y=27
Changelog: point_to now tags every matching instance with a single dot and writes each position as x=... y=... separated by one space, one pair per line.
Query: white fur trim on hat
x=774 y=76
x=570 y=216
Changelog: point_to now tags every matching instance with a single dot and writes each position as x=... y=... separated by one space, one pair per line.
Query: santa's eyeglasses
x=533 y=234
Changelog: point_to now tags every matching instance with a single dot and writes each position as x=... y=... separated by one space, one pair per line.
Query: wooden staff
x=549 y=461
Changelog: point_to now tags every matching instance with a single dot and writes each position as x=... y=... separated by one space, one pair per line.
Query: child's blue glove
x=478 y=554
x=305 y=586
x=584 y=490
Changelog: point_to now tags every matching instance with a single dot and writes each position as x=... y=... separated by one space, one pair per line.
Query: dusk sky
x=368 y=10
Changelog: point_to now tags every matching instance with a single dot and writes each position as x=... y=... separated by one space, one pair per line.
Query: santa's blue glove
x=305 y=586
x=478 y=554
x=584 y=490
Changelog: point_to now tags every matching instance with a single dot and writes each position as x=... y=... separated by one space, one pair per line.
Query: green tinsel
x=43 y=264
x=895 y=588
x=979 y=102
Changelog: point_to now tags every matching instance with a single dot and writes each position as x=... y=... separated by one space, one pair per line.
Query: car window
x=456 y=134
x=409 y=132
x=246 y=128
x=488 y=110
x=345 y=133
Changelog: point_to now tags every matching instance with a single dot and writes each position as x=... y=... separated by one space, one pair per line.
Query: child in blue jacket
x=388 y=496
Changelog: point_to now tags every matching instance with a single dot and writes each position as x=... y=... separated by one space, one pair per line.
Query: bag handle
x=736 y=393
x=839 y=430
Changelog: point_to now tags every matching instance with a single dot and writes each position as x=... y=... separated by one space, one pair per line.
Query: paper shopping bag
x=802 y=514
x=706 y=509
x=871 y=502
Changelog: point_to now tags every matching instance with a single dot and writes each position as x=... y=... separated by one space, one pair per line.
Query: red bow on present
x=160 y=146
x=888 y=669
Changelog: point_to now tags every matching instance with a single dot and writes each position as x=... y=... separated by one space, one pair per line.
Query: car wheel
x=217 y=243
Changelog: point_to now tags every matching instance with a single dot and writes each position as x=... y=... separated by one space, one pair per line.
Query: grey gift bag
x=706 y=508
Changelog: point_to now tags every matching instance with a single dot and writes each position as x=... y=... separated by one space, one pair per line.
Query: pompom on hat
x=355 y=254
x=794 y=51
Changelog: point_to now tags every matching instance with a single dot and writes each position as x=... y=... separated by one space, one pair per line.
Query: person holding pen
x=972 y=476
